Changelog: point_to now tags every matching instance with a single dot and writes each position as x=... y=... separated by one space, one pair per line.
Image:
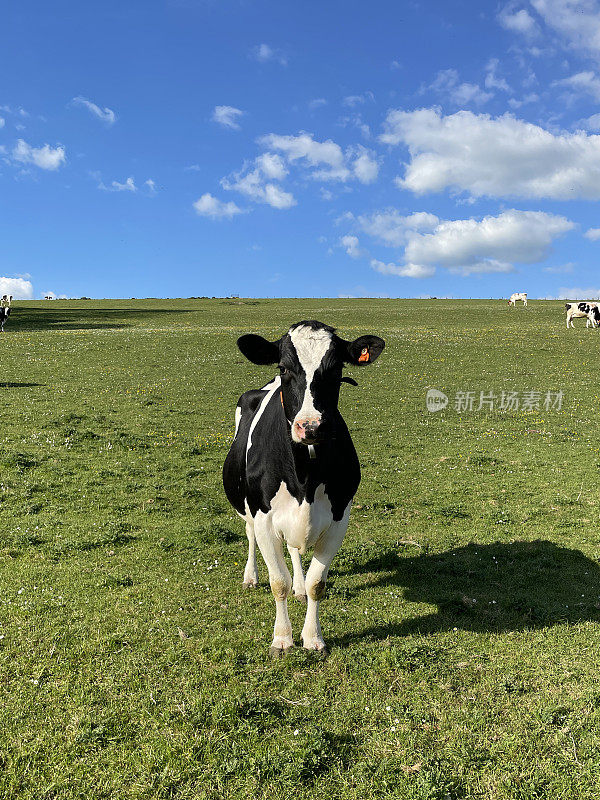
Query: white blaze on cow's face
x=311 y=346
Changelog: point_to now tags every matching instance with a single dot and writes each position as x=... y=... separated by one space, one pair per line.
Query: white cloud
x=447 y=83
x=105 y=114
x=593 y=234
x=392 y=228
x=466 y=93
x=522 y=236
x=485 y=267
x=2 y=122
x=519 y=21
x=578 y=21
x=591 y=123
x=45 y=157
x=404 y=270
x=354 y=100
x=467 y=246
x=352 y=246
x=532 y=97
x=20 y=288
x=356 y=121
x=492 y=81
x=326 y=160
x=582 y=83
x=365 y=167
x=255 y=181
x=318 y=102
x=227 y=116
x=576 y=293
x=495 y=157
x=20 y=112
x=560 y=269
x=315 y=154
x=272 y=166
x=264 y=53
x=277 y=198
x=260 y=178
x=128 y=186
x=209 y=206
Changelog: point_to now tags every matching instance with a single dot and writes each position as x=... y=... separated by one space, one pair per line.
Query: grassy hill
x=463 y=610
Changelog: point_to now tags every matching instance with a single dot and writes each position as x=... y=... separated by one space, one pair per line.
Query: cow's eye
x=282 y=369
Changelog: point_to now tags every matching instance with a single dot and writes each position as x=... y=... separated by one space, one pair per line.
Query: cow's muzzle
x=306 y=431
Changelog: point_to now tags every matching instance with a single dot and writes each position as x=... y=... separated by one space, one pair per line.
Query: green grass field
x=462 y=613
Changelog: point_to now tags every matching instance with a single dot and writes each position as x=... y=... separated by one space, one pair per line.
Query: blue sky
x=215 y=147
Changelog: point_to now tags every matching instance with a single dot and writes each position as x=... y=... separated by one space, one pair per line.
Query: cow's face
x=311 y=358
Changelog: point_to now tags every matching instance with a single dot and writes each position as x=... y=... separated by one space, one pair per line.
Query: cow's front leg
x=251 y=571
x=271 y=548
x=298 y=585
x=325 y=550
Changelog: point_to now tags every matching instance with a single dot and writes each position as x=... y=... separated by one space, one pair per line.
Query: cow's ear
x=258 y=350
x=364 y=350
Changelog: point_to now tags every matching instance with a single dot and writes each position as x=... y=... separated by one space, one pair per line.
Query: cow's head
x=311 y=357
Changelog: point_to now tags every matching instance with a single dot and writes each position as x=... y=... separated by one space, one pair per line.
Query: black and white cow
x=4 y=310
x=292 y=470
x=586 y=308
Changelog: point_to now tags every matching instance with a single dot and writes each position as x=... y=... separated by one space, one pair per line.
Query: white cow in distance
x=512 y=300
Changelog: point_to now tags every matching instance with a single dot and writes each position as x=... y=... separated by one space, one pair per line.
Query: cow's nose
x=307 y=430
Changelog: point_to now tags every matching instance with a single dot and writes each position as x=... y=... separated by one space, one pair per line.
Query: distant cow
x=292 y=470
x=585 y=308
x=512 y=300
x=4 y=310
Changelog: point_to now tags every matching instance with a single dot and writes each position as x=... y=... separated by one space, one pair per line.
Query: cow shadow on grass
x=88 y=318
x=495 y=587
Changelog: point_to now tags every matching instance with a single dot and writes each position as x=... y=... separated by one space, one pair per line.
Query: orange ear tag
x=364 y=355
x=281 y=397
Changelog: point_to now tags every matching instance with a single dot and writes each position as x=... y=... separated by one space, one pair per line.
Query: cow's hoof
x=250 y=584
x=320 y=653
x=315 y=645
x=280 y=652
x=301 y=598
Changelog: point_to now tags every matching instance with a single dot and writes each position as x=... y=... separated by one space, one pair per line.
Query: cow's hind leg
x=298 y=586
x=271 y=548
x=251 y=571
x=325 y=550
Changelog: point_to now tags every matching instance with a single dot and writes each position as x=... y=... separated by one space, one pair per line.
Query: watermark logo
x=528 y=400
x=436 y=400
